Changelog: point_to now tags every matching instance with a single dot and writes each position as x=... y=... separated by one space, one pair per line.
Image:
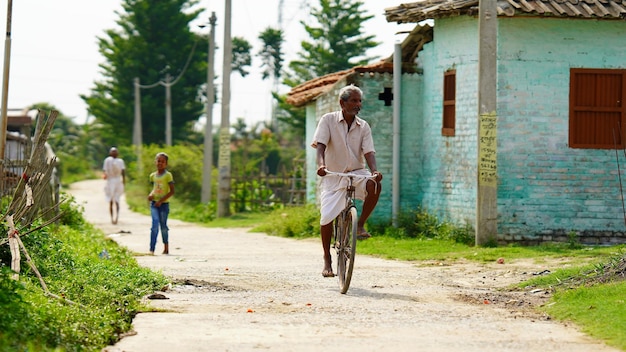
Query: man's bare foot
x=328 y=267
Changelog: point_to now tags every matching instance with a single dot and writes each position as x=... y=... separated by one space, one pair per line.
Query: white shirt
x=113 y=167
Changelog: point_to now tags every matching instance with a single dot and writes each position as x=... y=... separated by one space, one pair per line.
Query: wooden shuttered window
x=597 y=115
x=449 y=103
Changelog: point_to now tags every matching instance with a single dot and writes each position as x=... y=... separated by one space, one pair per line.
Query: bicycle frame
x=345 y=233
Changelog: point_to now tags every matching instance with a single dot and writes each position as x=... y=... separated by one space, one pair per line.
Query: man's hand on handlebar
x=378 y=175
x=321 y=171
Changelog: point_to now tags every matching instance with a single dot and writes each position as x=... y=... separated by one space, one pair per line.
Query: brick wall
x=448 y=164
x=548 y=190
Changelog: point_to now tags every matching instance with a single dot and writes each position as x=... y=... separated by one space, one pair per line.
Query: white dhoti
x=114 y=189
x=333 y=194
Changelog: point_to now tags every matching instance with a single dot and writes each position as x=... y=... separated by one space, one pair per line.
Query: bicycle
x=345 y=232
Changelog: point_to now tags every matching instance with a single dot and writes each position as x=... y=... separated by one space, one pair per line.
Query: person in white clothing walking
x=115 y=176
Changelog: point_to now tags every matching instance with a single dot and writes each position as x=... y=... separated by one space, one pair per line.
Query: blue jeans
x=159 y=219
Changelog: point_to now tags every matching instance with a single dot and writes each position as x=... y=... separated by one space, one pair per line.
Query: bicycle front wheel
x=346 y=248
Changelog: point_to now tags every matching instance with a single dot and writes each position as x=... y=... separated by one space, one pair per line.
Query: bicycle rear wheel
x=346 y=248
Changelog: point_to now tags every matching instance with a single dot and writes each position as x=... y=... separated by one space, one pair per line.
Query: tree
x=241 y=55
x=154 y=40
x=271 y=53
x=293 y=117
x=272 y=63
x=338 y=42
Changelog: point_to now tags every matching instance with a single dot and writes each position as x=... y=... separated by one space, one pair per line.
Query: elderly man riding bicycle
x=343 y=142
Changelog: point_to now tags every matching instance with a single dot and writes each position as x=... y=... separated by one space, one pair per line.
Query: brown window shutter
x=449 y=103
x=597 y=109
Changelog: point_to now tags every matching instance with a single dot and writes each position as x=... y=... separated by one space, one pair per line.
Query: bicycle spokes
x=346 y=247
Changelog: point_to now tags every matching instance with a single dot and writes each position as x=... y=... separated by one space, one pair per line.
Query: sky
x=54 y=53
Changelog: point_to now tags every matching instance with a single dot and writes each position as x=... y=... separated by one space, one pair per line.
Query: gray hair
x=345 y=92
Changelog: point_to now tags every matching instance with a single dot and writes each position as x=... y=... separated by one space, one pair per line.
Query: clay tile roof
x=310 y=90
x=428 y=9
x=412 y=44
x=300 y=95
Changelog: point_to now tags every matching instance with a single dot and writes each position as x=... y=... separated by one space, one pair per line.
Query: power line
x=165 y=84
x=168 y=101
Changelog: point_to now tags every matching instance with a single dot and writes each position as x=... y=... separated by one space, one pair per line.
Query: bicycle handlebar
x=348 y=174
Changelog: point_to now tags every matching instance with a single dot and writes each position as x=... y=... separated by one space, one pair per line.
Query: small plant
x=572 y=240
x=465 y=235
x=426 y=225
x=71 y=212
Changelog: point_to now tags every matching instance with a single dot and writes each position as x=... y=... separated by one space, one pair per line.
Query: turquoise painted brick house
x=560 y=116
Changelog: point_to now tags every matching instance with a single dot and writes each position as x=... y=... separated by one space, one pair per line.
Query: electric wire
x=165 y=84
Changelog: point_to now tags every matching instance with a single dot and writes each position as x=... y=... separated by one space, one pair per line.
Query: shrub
x=185 y=163
x=71 y=212
x=301 y=221
x=106 y=291
x=419 y=223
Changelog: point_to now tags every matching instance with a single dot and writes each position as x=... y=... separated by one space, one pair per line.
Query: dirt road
x=240 y=291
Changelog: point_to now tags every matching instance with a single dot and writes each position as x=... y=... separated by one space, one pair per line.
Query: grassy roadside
x=107 y=288
x=99 y=284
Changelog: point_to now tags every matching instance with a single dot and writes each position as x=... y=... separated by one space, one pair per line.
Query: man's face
x=352 y=106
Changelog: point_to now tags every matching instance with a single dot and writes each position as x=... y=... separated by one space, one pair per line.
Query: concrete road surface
x=234 y=290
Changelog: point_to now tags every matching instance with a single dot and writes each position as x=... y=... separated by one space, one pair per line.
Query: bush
x=185 y=163
x=106 y=290
x=421 y=224
x=71 y=212
x=304 y=222
x=301 y=221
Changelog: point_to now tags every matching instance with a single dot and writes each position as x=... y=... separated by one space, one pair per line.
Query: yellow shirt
x=161 y=185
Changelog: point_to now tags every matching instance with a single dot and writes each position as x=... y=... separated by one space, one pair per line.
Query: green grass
x=590 y=295
x=600 y=311
x=415 y=249
x=106 y=291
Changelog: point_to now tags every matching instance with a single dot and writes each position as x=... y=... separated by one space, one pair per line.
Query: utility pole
x=168 y=110
x=275 y=82
x=223 y=192
x=487 y=171
x=137 y=132
x=208 y=128
x=5 y=92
